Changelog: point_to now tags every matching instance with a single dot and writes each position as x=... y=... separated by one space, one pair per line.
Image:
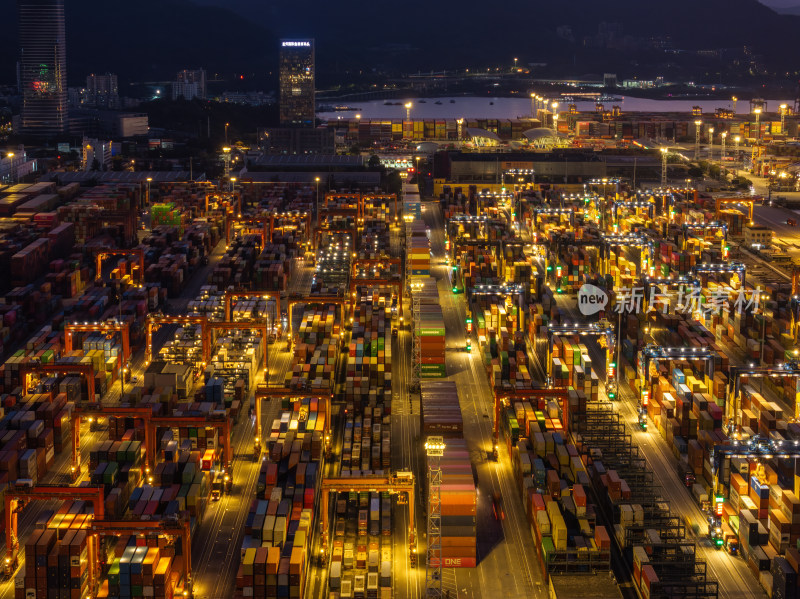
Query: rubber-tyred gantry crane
x=230 y=294
x=135 y=252
x=263 y=221
x=98 y=411
x=151 y=422
x=501 y=397
x=296 y=217
x=377 y=281
x=324 y=230
x=265 y=392
x=397 y=483
x=229 y=197
x=652 y=354
x=720 y=202
x=261 y=327
x=87 y=370
x=734 y=391
x=175 y=527
x=18 y=493
x=154 y=321
x=222 y=423
x=113 y=326
x=378 y=197
x=318 y=300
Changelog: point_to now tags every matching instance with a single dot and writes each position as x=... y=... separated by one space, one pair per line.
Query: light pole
x=736 y=141
x=226 y=133
x=316 y=198
x=233 y=184
x=734 y=99
x=724 y=136
x=533 y=105
x=147 y=201
x=710 y=144
x=697 y=125
x=13 y=170
x=515 y=64
x=555 y=116
x=459 y=122
x=227 y=157
x=757 y=112
x=664 y=167
x=783 y=118
x=408 y=111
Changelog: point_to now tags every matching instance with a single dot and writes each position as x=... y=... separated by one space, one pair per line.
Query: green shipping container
x=430 y=332
x=547 y=548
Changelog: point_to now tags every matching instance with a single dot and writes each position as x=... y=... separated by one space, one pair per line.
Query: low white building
x=757 y=235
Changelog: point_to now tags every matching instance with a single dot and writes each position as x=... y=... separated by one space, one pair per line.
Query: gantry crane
x=295 y=217
x=86 y=369
x=98 y=411
x=652 y=354
x=734 y=395
x=568 y=211
x=650 y=283
x=318 y=300
x=378 y=197
x=264 y=391
x=221 y=422
x=154 y=321
x=602 y=329
x=377 y=281
x=136 y=252
x=644 y=244
x=227 y=196
x=236 y=326
x=635 y=205
x=737 y=268
x=501 y=396
x=114 y=326
x=397 y=483
x=230 y=294
x=720 y=202
x=351 y=238
x=175 y=527
x=263 y=221
x=699 y=231
x=350 y=207
x=17 y=495
x=505 y=291
x=754 y=448
x=692 y=229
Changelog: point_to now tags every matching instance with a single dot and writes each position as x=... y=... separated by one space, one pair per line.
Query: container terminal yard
x=271 y=390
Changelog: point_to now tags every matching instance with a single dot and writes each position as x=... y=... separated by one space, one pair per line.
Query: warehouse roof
x=559 y=155
x=123 y=176
x=542 y=133
x=482 y=133
x=308 y=160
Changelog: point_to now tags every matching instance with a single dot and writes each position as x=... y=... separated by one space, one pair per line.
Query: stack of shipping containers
x=429 y=330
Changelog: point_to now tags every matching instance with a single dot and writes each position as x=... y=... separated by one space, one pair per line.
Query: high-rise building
x=297 y=83
x=102 y=91
x=43 y=67
x=189 y=83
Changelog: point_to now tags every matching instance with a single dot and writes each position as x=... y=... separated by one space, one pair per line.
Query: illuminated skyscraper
x=43 y=66
x=297 y=83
